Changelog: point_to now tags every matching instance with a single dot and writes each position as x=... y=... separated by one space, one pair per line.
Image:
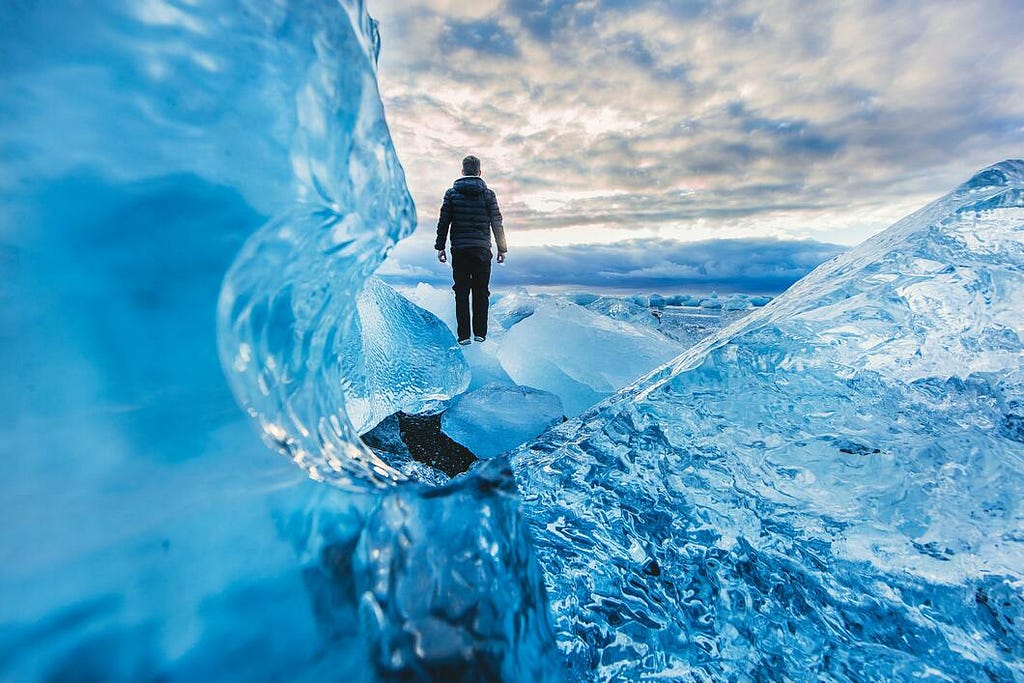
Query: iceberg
x=622 y=309
x=497 y=418
x=830 y=488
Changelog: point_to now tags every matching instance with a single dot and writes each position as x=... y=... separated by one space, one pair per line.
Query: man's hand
x=441 y=256
x=501 y=257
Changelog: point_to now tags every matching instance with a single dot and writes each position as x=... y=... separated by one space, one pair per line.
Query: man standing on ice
x=470 y=210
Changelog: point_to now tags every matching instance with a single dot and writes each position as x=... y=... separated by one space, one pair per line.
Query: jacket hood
x=470 y=185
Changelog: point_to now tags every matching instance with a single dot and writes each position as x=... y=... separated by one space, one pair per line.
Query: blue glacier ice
x=621 y=309
x=402 y=358
x=163 y=159
x=196 y=196
x=498 y=417
x=580 y=355
x=828 y=489
x=579 y=346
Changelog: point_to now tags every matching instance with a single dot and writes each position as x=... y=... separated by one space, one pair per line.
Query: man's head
x=471 y=165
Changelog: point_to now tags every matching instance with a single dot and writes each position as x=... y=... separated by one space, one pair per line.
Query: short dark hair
x=471 y=165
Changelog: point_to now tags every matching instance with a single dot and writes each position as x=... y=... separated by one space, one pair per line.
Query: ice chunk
x=401 y=358
x=147 y=533
x=623 y=309
x=841 y=467
x=682 y=300
x=582 y=298
x=498 y=417
x=448 y=586
x=736 y=302
x=514 y=306
x=580 y=355
x=711 y=301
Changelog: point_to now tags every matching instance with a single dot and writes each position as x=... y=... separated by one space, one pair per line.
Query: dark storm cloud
x=741 y=265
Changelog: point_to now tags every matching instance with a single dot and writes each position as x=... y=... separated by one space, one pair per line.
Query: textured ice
x=401 y=358
x=448 y=585
x=287 y=326
x=514 y=306
x=710 y=301
x=580 y=355
x=147 y=533
x=689 y=324
x=497 y=417
x=827 y=489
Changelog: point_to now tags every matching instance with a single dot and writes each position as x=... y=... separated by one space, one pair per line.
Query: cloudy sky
x=670 y=143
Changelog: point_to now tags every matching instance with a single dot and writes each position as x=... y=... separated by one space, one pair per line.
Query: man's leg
x=462 y=274
x=480 y=281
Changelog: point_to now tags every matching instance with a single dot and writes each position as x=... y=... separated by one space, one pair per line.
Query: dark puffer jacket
x=471 y=210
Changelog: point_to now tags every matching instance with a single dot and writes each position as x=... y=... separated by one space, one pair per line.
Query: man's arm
x=496 y=225
x=443 y=223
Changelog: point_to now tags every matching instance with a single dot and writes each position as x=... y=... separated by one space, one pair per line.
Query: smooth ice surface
x=514 y=306
x=581 y=352
x=827 y=489
x=496 y=418
x=580 y=355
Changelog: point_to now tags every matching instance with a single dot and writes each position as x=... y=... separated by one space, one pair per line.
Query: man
x=470 y=210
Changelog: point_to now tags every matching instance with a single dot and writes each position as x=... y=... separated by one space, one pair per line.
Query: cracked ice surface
x=829 y=488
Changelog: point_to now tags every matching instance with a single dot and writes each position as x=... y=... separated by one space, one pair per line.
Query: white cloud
x=767 y=117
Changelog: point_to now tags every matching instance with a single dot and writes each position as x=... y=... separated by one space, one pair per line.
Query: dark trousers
x=471 y=269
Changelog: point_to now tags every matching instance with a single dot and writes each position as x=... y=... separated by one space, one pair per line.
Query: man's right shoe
x=479 y=338
x=464 y=342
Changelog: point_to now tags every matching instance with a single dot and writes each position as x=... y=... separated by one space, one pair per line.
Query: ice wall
x=827 y=489
x=147 y=533
x=399 y=357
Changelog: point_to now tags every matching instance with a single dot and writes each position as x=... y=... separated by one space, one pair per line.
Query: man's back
x=470 y=210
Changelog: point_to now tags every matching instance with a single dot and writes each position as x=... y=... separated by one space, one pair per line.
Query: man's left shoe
x=478 y=338
x=463 y=342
